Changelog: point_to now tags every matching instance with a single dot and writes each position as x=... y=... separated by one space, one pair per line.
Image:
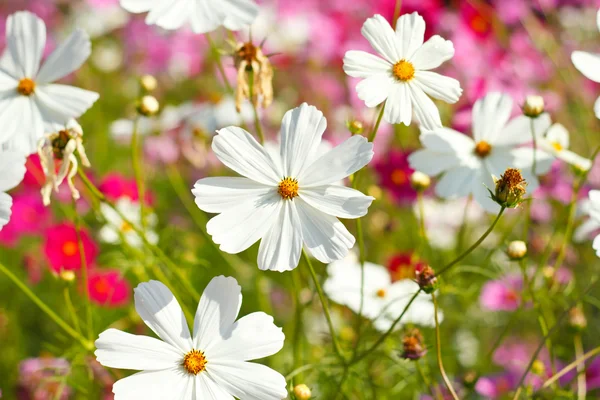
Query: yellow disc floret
x=194 y=362
x=404 y=70
x=288 y=188
x=483 y=149
x=26 y=87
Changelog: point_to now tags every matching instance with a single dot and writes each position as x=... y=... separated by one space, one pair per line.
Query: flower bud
x=510 y=189
x=302 y=392
x=534 y=106
x=355 y=127
x=426 y=279
x=148 y=83
x=420 y=181
x=67 y=276
x=538 y=368
x=148 y=106
x=413 y=347
x=517 y=249
x=577 y=319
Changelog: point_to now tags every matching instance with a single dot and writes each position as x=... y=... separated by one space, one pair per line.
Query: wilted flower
x=534 y=106
x=59 y=148
x=413 y=347
x=426 y=279
x=254 y=76
x=510 y=189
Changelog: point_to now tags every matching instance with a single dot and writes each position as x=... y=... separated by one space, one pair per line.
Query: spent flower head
x=254 y=75
x=413 y=347
x=426 y=278
x=510 y=189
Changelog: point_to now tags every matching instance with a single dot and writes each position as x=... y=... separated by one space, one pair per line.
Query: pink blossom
x=394 y=174
x=503 y=294
x=37 y=378
x=108 y=288
x=62 y=248
x=115 y=186
x=29 y=216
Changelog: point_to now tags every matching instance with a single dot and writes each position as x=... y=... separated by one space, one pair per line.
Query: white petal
x=280 y=248
x=446 y=140
x=457 y=182
x=217 y=310
x=237 y=149
x=483 y=180
x=301 y=132
x=67 y=58
x=597 y=108
x=523 y=159
x=490 y=116
x=238 y=13
x=324 y=236
x=160 y=310
x=344 y=160
x=339 y=201
x=215 y=195
x=432 y=163
x=59 y=103
x=410 y=31
x=5 y=209
x=360 y=64
x=25 y=39
x=137 y=6
x=375 y=89
x=9 y=77
x=170 y=14
x=205 y=18
x=31 y=127
x=584 y=230
x=208 y=389
x=558 y=134
x=239 y=228
x=596 y=245
x=13 y=109
x=438 y=86
x=251 y=337
x=518 y=130
x=381 y=36
x=12 y=169
x=575 y=159
x=248 y=381
x=118 y=349
x=398 y=108
x=172 y=384
x=588 y=64
x=425 y=110
x=433 y=53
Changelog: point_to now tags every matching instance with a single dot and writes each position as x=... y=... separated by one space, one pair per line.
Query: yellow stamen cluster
x=483 y=149
x=194 y=362
x=288 y=188
x=404 y=70
x=70 y=248
x=381 y=293
x=557 y=146
x=26 y=87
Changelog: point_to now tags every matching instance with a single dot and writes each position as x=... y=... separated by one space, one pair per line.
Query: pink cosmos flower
x=62 y=248
x=394 y=175
x=29 y=216
x=108 y=288
x=114 y=186
x=503 y=294
x=38 y=379
x=496 y=386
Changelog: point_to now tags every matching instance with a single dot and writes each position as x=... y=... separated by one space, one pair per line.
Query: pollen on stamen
x=557 y=146
x=483 y=149
x=381 y=293
x=194 y=362
x=288 y=188
x=404 y=70
x=26 y=87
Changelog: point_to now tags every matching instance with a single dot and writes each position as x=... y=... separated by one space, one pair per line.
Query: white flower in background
x=202 y=15
x=99 y=19
x=384 y=300
x=12 y=170
x=287 y=202
x=226 y=113
x=210 y=364
x=467 y=164
x=556 y=142
x=590 y=225
x=61 y=146
x=170 y=118
x=30 y=104
x=589 y=65
x=116 y=229
x=402 y=75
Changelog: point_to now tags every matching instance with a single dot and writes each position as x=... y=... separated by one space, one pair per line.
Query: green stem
x=136 y=157
x=373 y=133
x=362 y=255
x=87 y=344
x=71 y=310
x=581 y=378
x=257 y=124
x=339 y=391
x=219 y=62
x=438 y=345
x=475 y=245
x=84 y=275
x=297 y=324
x=424 y=378
x=574 y=364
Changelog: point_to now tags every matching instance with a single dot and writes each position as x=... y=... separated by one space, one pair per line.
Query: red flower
x=108 y=288
x=62 y=248
x=403 y=266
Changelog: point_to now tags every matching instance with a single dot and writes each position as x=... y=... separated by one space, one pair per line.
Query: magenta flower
x=503 y=294
x=394 y=175
x=114 y=186
x=62 y=248
x=108 y=288
x=38 y=379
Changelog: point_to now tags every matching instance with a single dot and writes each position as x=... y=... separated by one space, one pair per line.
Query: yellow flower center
x=404 y=70
x=126 y=227
x=381 y=293
x=557 y=146
x=288 y=188
x=70 y=248
x=399 y=177
x=26 y=87
x=194 y=362
x=483 y=149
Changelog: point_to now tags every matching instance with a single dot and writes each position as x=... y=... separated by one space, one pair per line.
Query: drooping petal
x=518 y=130
x=160 y=310
x=237 y=149
x=410 y=33
x=360 y=64
x=118 y=349
x=324 y=235
x=342 y=161
x=239 y=228
x=588 y=64
x=398 y=108
x=381 y=36
x=25 y=39
x=137 y=6
x=301 y=132
x=433 y=53
x=375 y=89
x=596 y=245
x=5 y=209
x=238 y=13
x=438 y=86
x=251 y=337
x=583 y=231
x=12 y=169
x=59 y=103
x=217 y=310
x=208 y=389
x=219 y=194
x=425 y=110
x=490 y=116
x=172 y=384
x=67 y=58
x=280 y=248
x=336 y=200
x=248 y=381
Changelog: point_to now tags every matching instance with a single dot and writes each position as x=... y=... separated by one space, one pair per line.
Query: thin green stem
x=438 y=346
x=84 y=275
x=219 y=62
x=581 y=378
x=136 y=157
x=257 y=124
x=297 y=344
x=475 y=245
x=87 y=344
x=422 y=231
x=362 y=256
x=397 y=10
x=339 y=392
x=375 y=129
x=574 y=364
x=71 y=310
x=424 y=378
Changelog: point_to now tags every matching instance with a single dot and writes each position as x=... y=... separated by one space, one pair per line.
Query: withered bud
x=425 y=277
x=420 y=181
x=534 y=106
x=413 y=347
x=517 y=249
x=148 y=83
x=148 y=106
x=355 y=127
x=510 y=189
x=302 y=392
x=254 y=76
x=577 y=319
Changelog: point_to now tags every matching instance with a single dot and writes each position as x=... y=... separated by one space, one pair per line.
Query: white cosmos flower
x=402 y=74
x=289 y=201
x=384 y=300
x=12 y=170
x=210 y=364
x=556 y=142
x=30 y=104
x=202 y=15
x=593 y=209
x=116 y=229
x=590 y=225
x=589 y=65
x=467 y=164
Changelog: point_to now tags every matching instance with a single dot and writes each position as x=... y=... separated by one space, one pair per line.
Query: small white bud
x=420 y=181
x=534 y=106
x=148 y=106
x=148 y=83
x=516 y=250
